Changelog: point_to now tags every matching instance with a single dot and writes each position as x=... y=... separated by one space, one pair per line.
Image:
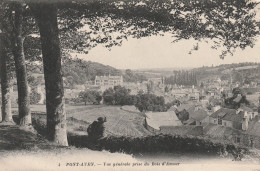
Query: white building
x=108 y=80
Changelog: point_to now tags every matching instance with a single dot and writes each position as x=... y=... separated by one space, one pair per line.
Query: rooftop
x=219 y=131
x=158 y=119
x=245 y=108
x=198 y=115
x=253 y=128
x=229 y=115
x=222 y=112
x=185 y=106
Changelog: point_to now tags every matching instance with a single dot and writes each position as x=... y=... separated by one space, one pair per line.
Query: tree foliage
x=182 y=78
x=118 y=96
x=150 y=102
x=237 y=99
x=130 y=76
x=225 y=23
x=78 y=71
x=93 y=97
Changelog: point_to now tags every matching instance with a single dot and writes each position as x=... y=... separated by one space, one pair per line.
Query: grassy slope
x=119 y=122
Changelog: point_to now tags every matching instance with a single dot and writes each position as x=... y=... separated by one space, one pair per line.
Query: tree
x=17 y=40
x=109 y=97
x=118 y=96
x=34 y=81
x=12 y=22
x=121 y=95
x=130 y=76
x=237 y=99
x=46 y=16
x=5 y=81
x=236 y=91
x=90 y=97
x=182 y=115
x=150 y=102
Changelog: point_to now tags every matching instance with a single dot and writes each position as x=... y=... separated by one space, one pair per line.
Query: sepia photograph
x=129 y=85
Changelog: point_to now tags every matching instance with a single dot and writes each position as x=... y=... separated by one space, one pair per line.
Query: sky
x=159 y=52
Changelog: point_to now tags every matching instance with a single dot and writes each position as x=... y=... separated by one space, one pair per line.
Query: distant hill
x=77 y=71
x=240 y=72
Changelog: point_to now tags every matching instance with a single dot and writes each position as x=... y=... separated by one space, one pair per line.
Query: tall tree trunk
x=5 y=84
x=20 y=66
x=46 y=15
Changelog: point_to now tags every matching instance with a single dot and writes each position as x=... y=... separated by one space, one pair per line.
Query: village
x=198 y=110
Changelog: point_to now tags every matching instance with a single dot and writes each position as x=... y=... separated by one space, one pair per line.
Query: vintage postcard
x=130 y=85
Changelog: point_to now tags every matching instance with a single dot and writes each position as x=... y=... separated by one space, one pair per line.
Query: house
x=179 y=93
x=185 y=106
x=227 y=117
x=250 y=112
x=159 y=119
x=221 y=132
x=237 y=119
x=196 y=116
x=173 y=108
x=251 y=137
x=108 y=80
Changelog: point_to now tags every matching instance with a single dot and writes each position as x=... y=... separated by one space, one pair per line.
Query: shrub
x=170 y=144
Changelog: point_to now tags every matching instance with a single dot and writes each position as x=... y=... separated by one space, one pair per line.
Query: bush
x=170 y=144
x=161 y=143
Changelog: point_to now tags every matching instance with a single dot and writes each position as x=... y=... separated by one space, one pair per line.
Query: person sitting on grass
x=96 y=129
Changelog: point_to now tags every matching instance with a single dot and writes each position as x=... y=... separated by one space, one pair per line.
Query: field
x=120 y=122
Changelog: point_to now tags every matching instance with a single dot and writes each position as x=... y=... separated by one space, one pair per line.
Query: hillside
x=239 y=72
x=77 y=71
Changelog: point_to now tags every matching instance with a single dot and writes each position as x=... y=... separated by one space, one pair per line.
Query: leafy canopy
x=226 y=23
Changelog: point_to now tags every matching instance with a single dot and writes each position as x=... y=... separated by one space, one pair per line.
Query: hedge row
x=167 y=143
x=160 y=144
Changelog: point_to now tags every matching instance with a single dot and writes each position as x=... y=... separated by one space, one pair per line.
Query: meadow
x=120 y=122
